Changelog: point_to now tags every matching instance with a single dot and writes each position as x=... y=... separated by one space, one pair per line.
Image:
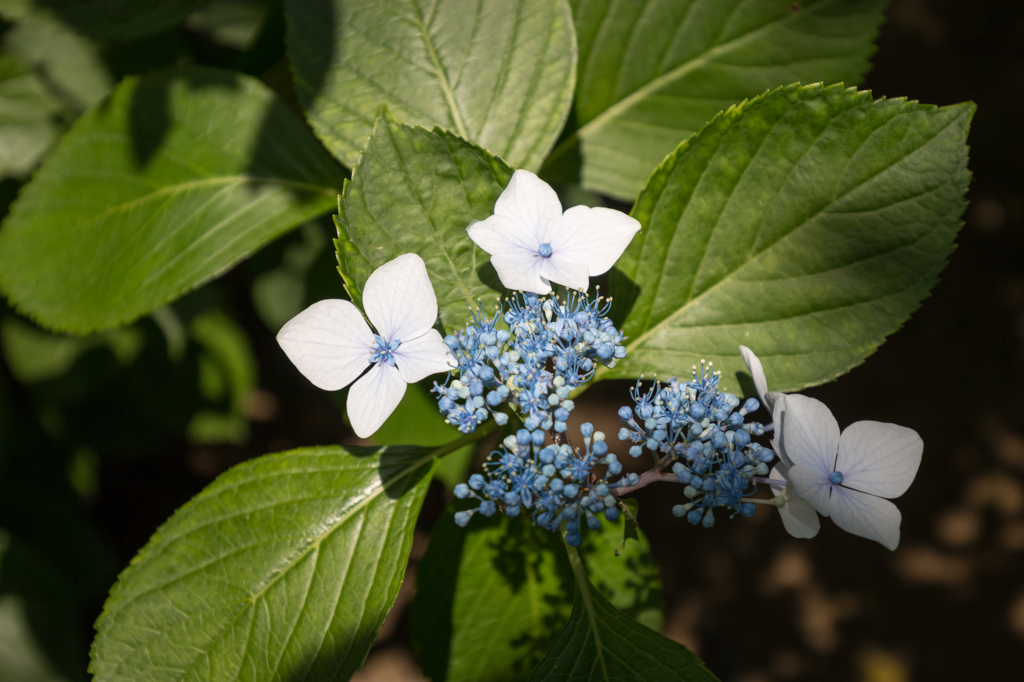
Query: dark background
x=756 y=604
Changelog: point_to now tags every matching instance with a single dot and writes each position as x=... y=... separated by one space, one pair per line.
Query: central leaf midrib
x=442 y=76
x=668 y=77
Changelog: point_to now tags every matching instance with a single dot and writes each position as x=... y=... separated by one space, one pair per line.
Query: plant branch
x=648 y=477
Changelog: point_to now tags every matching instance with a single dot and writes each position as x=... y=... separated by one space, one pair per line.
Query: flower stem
x=647 y=478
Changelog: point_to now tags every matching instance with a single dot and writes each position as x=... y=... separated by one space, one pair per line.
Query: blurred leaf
x=183 y=173
x=653 y=72
x=228 y=345
x=39 y=638
x=417 y=420
x=70 y=65
x=497 y=618
x=630 y=510
x=232 y=23
x=416 y=191
x=600 y=643
x=807 y=224
x=34 y=355
x=107 y=19
x=285 y=565
x=499 y=73
x=624 y=572
x=280 y=294
x=28 y=126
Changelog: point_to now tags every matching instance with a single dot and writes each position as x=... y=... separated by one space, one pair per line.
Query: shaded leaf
x=285 y=565
x=490 y=599
x=807 y=224
x=625 y=572
x=180 y=175
x=108 y=19
x=496 y=72
x=28 y=125
x=417 y=420
x=600 y=643
x=416 y=191
x=654 y=72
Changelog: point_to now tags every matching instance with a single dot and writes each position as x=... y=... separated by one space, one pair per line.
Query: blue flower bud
x=556 y=484
x=600 y=448
x=500 y=418
x=462 y=518
x=679 y=511
x=547 y=455
x=476 y=481
x=636 y=451
x=571 y=527
x=561 y=414
x=709 y=520
x=571 y=490
x=512 y=511
x=611 y=513
x=625 y=414
x=765 y=455
x=462 y=491
x=747 y=509
x=487 y=508
x=694 y=516
x=614 y=469
x=502 y=335
x=697 y=411
x=573 y=539
x=587 y=429
x=560 y=427
x=445 y=404
x=741 y=439
x=751 y=405
x=623 y=433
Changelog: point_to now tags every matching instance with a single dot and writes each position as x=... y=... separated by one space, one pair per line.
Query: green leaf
x=35 y=356
x=70 y=65
x=600 y=643
x=28 y=126
x=625 y=572
x=416 y=191
x=283 y=568
x=630 y=531
x=807 y=224
x=508 y=599
x=654 y=72
x=417 y=420
x=180 y=175
x=496 y=72
x=117 y=20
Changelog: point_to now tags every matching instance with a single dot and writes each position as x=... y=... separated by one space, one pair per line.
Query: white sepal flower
x=533 y=243
x=848 y=476
x=332 y=345
x=768 y=398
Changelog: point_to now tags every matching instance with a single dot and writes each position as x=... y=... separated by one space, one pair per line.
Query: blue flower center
x=544 y=250
x=836 y=477
x=383 y=351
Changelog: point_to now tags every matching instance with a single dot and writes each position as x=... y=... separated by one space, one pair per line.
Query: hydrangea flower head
x=849 y=477
x=533 y=243
x=332 y=345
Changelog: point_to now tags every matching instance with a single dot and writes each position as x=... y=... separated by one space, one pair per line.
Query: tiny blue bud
x=561 y=414
x=694 y=516
x=487 y=508
x=633 y=479
x=741 y=439
x=679 y=511
x=697 y=411
x=560 y=427
x=537 y=438
x=600 y=448
x=765 y=455
x=571 y=527
x=709 y=520
x=614 y=469
x=636 y=451
x=523 y=436
x=587 y=429
x=623 y=432
x=611 y=513
x=462 y=518
x=547 y=455
x=544 y=250
x=476 y=481
x=571 y=490
x=512 y=511
x=625 y=414
x=500 y=418
x=462 y=491
x=747 y=509
x=593 y=523
x=836 y=477
x=573 y=539
x=751 y=405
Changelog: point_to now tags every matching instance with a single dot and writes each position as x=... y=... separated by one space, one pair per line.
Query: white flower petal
x=329 y=342
x=811 y=486
x=760 y=383
x=779 y=422
x=799 y=518
x=780 y=472
x=531 y=202
x=501 y=234
x=520 y=271
x=373 y=398
x=810 y=434
x=399 y=299
x=595 y=237
x=419 y=358
x=867 y=516
x=573 y=275
x=878 y=458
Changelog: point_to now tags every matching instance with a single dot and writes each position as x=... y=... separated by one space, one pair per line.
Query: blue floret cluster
x=697 y=429
x=550 y=348
x=556 y=483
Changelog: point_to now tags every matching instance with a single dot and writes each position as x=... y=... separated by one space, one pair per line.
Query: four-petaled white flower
x=848 y=476
x=532 y=243
x=798 y=517
x=332 y=345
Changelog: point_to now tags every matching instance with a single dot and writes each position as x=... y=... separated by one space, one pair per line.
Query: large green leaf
x=497 y=72
x=176 y=178
x=807 y=224
x=283 y=568
x=28 y=119
x=653 y=72
x=490 y=599
x=602 y=644
x=416 y=191
x=624 y=572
